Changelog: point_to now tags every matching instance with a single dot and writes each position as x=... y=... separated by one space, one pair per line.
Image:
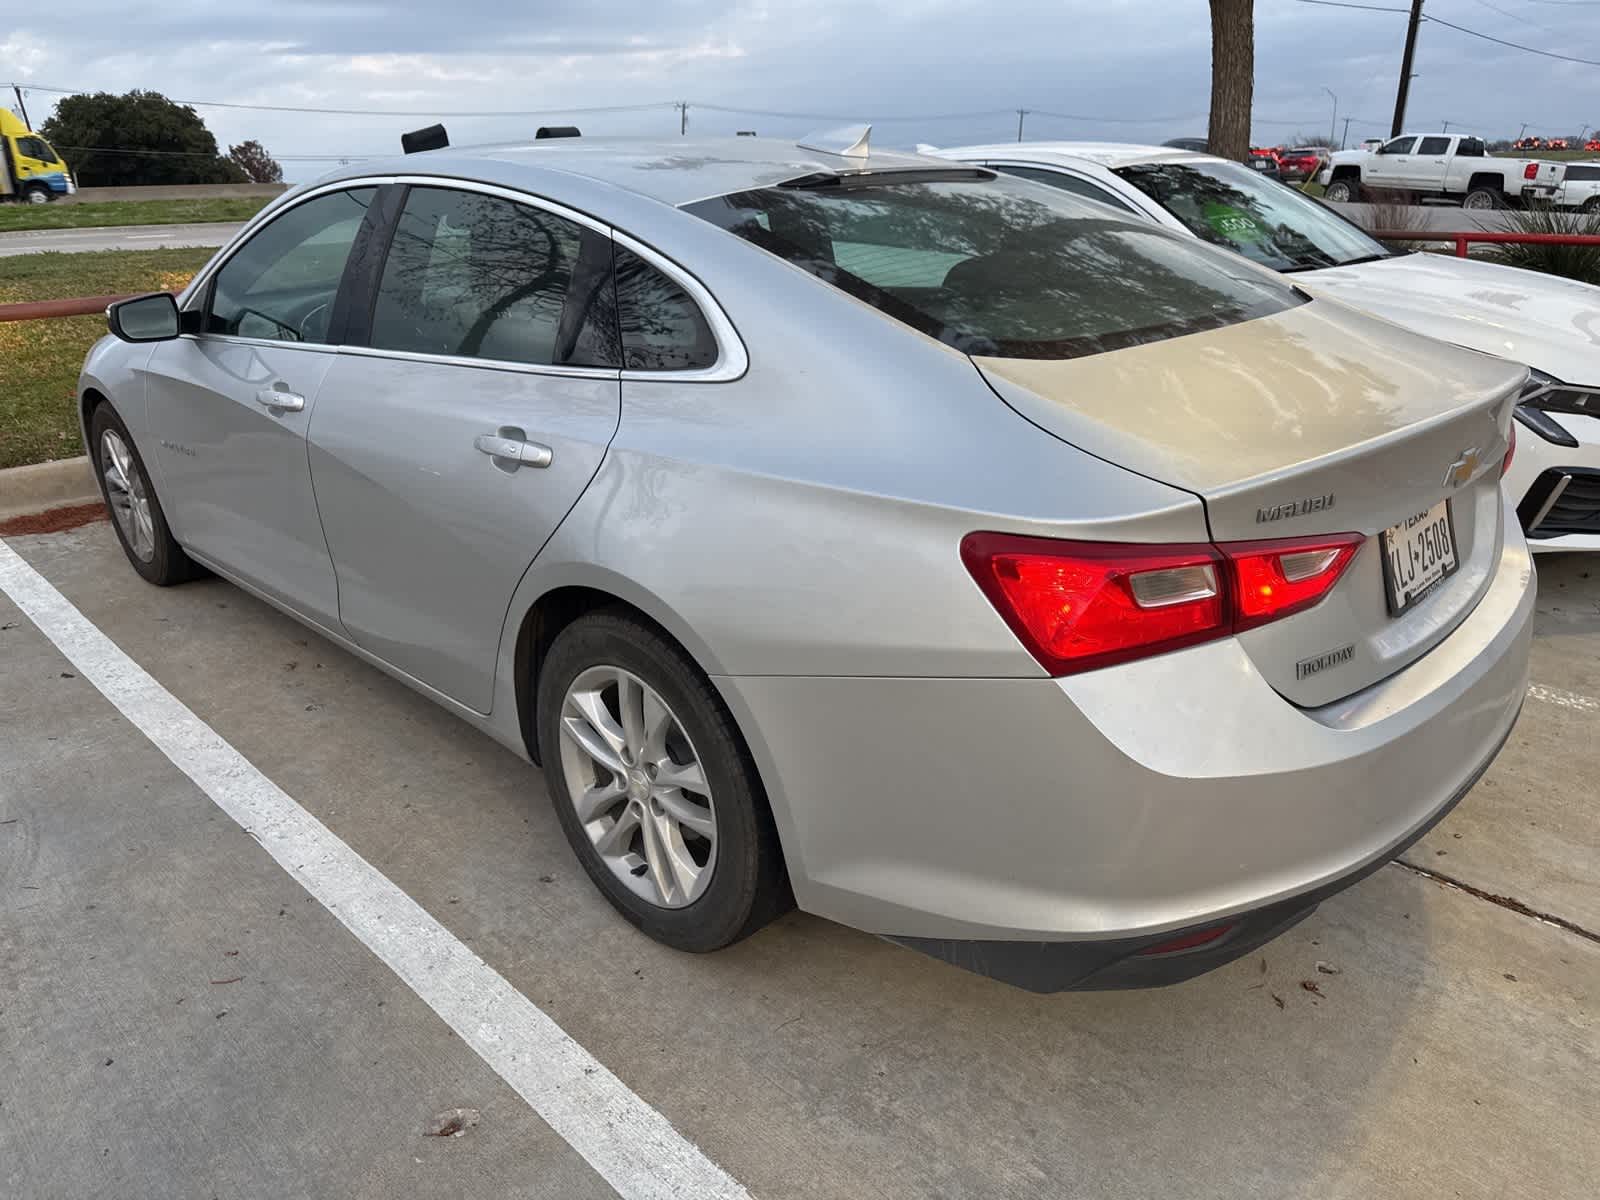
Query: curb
x=32 y=489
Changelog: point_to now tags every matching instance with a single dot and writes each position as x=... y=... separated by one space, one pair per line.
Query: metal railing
x=1463 y=240
x=38 y=310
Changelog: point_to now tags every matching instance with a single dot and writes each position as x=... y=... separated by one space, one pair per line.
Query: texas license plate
x=1418 y=554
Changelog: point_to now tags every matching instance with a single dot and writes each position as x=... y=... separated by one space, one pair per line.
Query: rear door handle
x=527 y=454
x=283 y=401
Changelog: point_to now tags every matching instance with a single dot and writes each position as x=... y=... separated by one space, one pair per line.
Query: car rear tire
x=1591 y=205
x=1483 y=199
x=1342 y=191
x=135 y=509
x=654 y=787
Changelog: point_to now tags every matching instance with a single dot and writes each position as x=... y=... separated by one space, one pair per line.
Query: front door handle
x=527 y=454
x=283 y=401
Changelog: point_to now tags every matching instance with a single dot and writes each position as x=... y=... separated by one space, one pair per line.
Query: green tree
x=139 y=138
x=252 y=158
x=1233 y=70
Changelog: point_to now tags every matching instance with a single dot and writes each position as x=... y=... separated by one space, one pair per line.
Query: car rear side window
x=663 y=328
x=1000 y=267
x=1470 y=148
x=470 y=275
x=1067 y=183
x=281 y=284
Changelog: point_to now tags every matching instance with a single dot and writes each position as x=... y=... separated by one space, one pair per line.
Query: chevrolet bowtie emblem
x=1463 y=469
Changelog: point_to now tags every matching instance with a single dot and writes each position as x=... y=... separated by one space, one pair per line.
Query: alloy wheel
x=638 y=787
x=130 y=504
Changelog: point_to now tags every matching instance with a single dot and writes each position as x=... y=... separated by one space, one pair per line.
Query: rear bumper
x=1120 y=806
x=1128 y=962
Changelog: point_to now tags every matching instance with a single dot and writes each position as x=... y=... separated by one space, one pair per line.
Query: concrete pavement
x=122 y=237
x=1454 y=1052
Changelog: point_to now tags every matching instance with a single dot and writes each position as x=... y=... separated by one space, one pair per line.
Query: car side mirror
x=152 y=318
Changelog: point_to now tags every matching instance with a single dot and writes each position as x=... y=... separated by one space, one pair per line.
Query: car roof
x=673 y=171
x=1110 y=155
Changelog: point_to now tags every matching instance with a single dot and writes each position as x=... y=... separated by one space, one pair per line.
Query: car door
x=462 y=423
x=1429 y=163
x=1391 y=165
x=229 y=403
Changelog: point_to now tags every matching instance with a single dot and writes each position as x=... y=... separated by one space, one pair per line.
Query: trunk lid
x=1316 y=420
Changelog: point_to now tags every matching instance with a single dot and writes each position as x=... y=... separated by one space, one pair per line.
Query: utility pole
x=1447 y=127
x=1345 y=136
x=1021 y=113
x=1405 y=69
x=1522 y=131
x=683 y=117
x=1334 y=119
x=22 y=106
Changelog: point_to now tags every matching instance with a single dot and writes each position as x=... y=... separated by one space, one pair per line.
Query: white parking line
x=632 y=1146
x=1550 y=695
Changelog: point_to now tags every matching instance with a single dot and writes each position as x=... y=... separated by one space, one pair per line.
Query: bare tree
x=258 y=166
x=1233 y=68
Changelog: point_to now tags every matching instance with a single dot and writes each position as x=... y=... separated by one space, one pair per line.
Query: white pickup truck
x=1437 y=164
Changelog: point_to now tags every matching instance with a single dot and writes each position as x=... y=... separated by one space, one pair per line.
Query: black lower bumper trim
x=1117 y=963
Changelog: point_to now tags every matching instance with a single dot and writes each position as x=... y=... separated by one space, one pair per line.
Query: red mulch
x=55 y=520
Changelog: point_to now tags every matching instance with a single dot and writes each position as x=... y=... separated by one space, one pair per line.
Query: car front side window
x=280 y=285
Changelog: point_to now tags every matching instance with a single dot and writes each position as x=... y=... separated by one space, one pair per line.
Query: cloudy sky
x=940 y=71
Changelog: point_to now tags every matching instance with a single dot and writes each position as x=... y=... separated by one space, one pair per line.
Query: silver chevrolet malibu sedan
x=1074 y=602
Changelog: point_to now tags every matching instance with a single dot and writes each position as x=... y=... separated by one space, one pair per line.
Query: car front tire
x=38 y=195
x=135 y=509
x=654 y=787
x=1340 y=191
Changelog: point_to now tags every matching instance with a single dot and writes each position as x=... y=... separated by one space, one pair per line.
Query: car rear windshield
x=999 y=267
x=1276 y=226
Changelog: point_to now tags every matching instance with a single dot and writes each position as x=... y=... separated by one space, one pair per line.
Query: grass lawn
x=40 y=360
x=129 y=212
x=1553 y=155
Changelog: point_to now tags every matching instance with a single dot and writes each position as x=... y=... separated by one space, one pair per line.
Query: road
x=121 y=237
x=189 y=1008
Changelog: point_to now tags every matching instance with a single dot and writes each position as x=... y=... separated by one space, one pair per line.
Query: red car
x=1300 y=163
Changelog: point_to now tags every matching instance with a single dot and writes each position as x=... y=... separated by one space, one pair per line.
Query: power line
x=1588 y=62
x=1363 y=7
x=801 y=116
x=375 y=112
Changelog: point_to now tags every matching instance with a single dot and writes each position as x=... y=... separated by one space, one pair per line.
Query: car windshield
x=1268 y=223
x=999 y=267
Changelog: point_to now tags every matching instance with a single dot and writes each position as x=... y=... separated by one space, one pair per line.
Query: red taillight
x=1080 y=605
x=1511 y=451
x=1531 y=171
x=1274 y=579
x=1077 y=606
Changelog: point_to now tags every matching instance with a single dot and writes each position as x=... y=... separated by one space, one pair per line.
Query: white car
x=1582 y=187
x=1550 y=324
